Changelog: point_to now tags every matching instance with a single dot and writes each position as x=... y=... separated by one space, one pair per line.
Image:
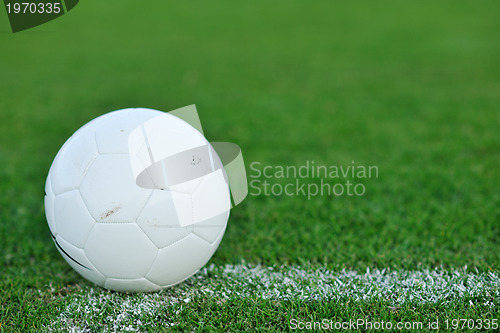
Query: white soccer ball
x=137 y=200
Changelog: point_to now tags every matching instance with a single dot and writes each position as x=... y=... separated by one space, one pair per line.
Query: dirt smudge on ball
x=110 y=212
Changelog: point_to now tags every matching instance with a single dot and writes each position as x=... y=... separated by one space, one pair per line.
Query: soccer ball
x=137 y=200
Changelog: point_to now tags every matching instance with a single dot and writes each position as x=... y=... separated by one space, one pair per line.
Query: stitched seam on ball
x=177 y=241
x=152 y=264
x=77 y=188
x=192 y=209
x=111 y=222
x=113 y=154
x=144 y=206
x=203 y=239
x=145 y=233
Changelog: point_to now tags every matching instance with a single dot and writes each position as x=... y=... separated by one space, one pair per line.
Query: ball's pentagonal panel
x=72 y=162
x=110 y=191
x=132 y=285
x=112 y=135
x=120 y=250
x=72 y=218
x=177 y=262
x=159 y=220
x=49 y=207
x=211 y=197
x=211 y=228
x=77 y=259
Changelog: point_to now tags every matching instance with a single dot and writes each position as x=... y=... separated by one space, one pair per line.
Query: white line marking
x=279 y=283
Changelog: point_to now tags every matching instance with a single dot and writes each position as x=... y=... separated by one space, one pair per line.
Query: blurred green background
x=412 y=87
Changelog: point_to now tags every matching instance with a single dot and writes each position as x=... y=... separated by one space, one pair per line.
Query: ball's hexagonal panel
x=184 y=140
x=72 y=161
x=217 y=221
x=112 y=135
x=49 y=207
x=48 y=187
x=144 y=178
x=133 y=285
x=190 y=185
x=183 y=204
x=141 y=162
x=77 y=259
x=169 y=123
x=216 y=243
x=120 y=250
x=153 y=174
x=211 y=197
x=144 y=156
x=179 y=261
x=159 y=220
x=90 y=126
x=211 y=228
x=110 y=192
x=72 y=218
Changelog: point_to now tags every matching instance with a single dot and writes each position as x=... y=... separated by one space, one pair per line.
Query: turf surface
x=411 y=88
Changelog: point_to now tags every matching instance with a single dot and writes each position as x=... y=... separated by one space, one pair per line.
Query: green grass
x=262 y=315
x=411 y=88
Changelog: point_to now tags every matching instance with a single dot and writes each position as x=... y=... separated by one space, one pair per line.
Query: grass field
x=412 y=88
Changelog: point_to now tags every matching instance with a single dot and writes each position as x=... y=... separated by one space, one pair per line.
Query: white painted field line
x=426 y=286
x=284 y=283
